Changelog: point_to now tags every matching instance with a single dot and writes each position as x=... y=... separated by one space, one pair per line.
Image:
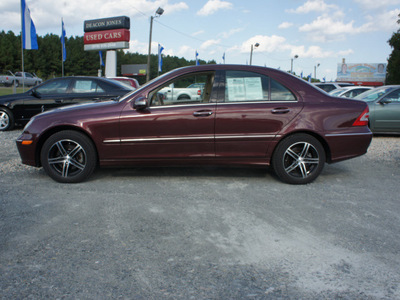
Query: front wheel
x=298 y=159
x=6 y=119
x=68 y=157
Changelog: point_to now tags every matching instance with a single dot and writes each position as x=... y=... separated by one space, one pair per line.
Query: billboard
x=361 y=72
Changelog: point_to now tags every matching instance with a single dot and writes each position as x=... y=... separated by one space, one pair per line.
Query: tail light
x=362 y=119
x=199 y=92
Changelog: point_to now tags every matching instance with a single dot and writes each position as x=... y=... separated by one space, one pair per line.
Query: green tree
x=393 y=68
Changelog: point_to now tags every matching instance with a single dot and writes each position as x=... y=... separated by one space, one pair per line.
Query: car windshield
x=336 y=92
x=374 y=94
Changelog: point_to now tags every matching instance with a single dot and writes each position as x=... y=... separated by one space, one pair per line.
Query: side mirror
x=140 y=103
x=35 y=93
x=385 y=101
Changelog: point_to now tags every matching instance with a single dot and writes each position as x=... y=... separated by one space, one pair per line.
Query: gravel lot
x=202 y=233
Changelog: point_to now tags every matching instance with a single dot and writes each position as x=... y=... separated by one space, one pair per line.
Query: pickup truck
x=7 y=78
x=30 y=79
x=191 y=93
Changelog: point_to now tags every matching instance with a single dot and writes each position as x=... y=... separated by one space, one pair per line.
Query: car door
x=386 y=113
x=84 y=90
x=51 y=94
x=254 y=110
x=171 y=129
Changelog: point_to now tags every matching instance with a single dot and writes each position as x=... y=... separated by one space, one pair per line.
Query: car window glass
x=393 y=97
x=246 y=86
x=280 y=92
x=54 y=87
x=86 y=86
x=192 y=89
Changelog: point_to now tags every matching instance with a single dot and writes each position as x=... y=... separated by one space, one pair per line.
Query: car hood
x=13 y=97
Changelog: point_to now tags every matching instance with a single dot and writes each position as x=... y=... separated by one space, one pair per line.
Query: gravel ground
x=207 y=233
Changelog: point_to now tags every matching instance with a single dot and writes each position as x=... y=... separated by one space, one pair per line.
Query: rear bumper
x=348 y=145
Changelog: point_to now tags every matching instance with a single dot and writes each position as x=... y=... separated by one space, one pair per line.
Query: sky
x=320 y=32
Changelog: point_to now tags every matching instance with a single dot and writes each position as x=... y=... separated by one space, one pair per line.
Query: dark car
x=246 y=115
x=384 y=106
x=19 y=108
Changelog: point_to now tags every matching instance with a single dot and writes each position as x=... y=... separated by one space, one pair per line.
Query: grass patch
x=10 y=90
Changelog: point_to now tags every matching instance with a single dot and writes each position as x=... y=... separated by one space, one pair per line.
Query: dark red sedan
x=245 y=115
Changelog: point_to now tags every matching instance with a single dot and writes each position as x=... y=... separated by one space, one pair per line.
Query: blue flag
x=29 y=39
x=197 y=59
x=223 y=57
x=64 y=51
x=101 y=59
x=160 y=49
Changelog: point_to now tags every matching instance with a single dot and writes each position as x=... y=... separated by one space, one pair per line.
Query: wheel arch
x=313 y=134
x=54 y=130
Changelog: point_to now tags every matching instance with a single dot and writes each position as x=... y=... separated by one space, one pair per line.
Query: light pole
x=159 y=12
x=251 y=51
x=291 y=67
x=315 y=70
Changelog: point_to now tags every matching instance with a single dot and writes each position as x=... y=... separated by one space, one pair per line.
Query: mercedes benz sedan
x=246 y=115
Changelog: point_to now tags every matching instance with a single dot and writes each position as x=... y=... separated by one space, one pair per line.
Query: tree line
x=46 y=61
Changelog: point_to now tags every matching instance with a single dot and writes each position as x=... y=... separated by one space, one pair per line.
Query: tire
x=184 y=97
x=68 y=157
x=6 y=119
x=298 y=159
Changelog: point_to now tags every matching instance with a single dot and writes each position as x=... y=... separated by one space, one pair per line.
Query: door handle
x=59 y=101
x=202 y=113
x=280 y=110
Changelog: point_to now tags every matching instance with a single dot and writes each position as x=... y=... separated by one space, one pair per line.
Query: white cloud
x=278 y=44
x=325 y=28
x=209 y=43
x=373 y=4
x=313 y=6
x=231 y=32
x=198 y=33
x=213 y=6
x=285 y=25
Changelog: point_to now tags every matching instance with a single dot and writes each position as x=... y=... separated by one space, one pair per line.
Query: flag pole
x=22 y=48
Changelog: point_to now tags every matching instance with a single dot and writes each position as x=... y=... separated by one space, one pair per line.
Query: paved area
x=202 y=233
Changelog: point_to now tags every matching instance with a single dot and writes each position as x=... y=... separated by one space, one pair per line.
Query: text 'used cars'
x=243 y=115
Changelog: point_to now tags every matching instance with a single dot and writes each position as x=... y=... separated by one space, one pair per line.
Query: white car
x=330 y=86
x=350 y=91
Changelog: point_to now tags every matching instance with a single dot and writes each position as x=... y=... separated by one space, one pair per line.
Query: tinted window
x=280 y=93
x=86 y=86
x=393 y=97
x=248 y=86
x=54 y=87
x=190 y=89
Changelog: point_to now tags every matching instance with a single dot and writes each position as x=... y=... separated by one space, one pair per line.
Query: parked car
x=246 y=115
x=130 y=81
x=330 y=86
x=19 y=108
x=27 y=79
x=384 y=106
x=350 y=91
x=7 y=78
x=178 y=91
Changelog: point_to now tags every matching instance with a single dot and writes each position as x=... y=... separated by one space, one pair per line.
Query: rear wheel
x=298 y=159
x=68 y=156
x=6 y=119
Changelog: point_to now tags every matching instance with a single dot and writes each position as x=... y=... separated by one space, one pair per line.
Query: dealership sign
x=106 y=24
x=107 y=34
